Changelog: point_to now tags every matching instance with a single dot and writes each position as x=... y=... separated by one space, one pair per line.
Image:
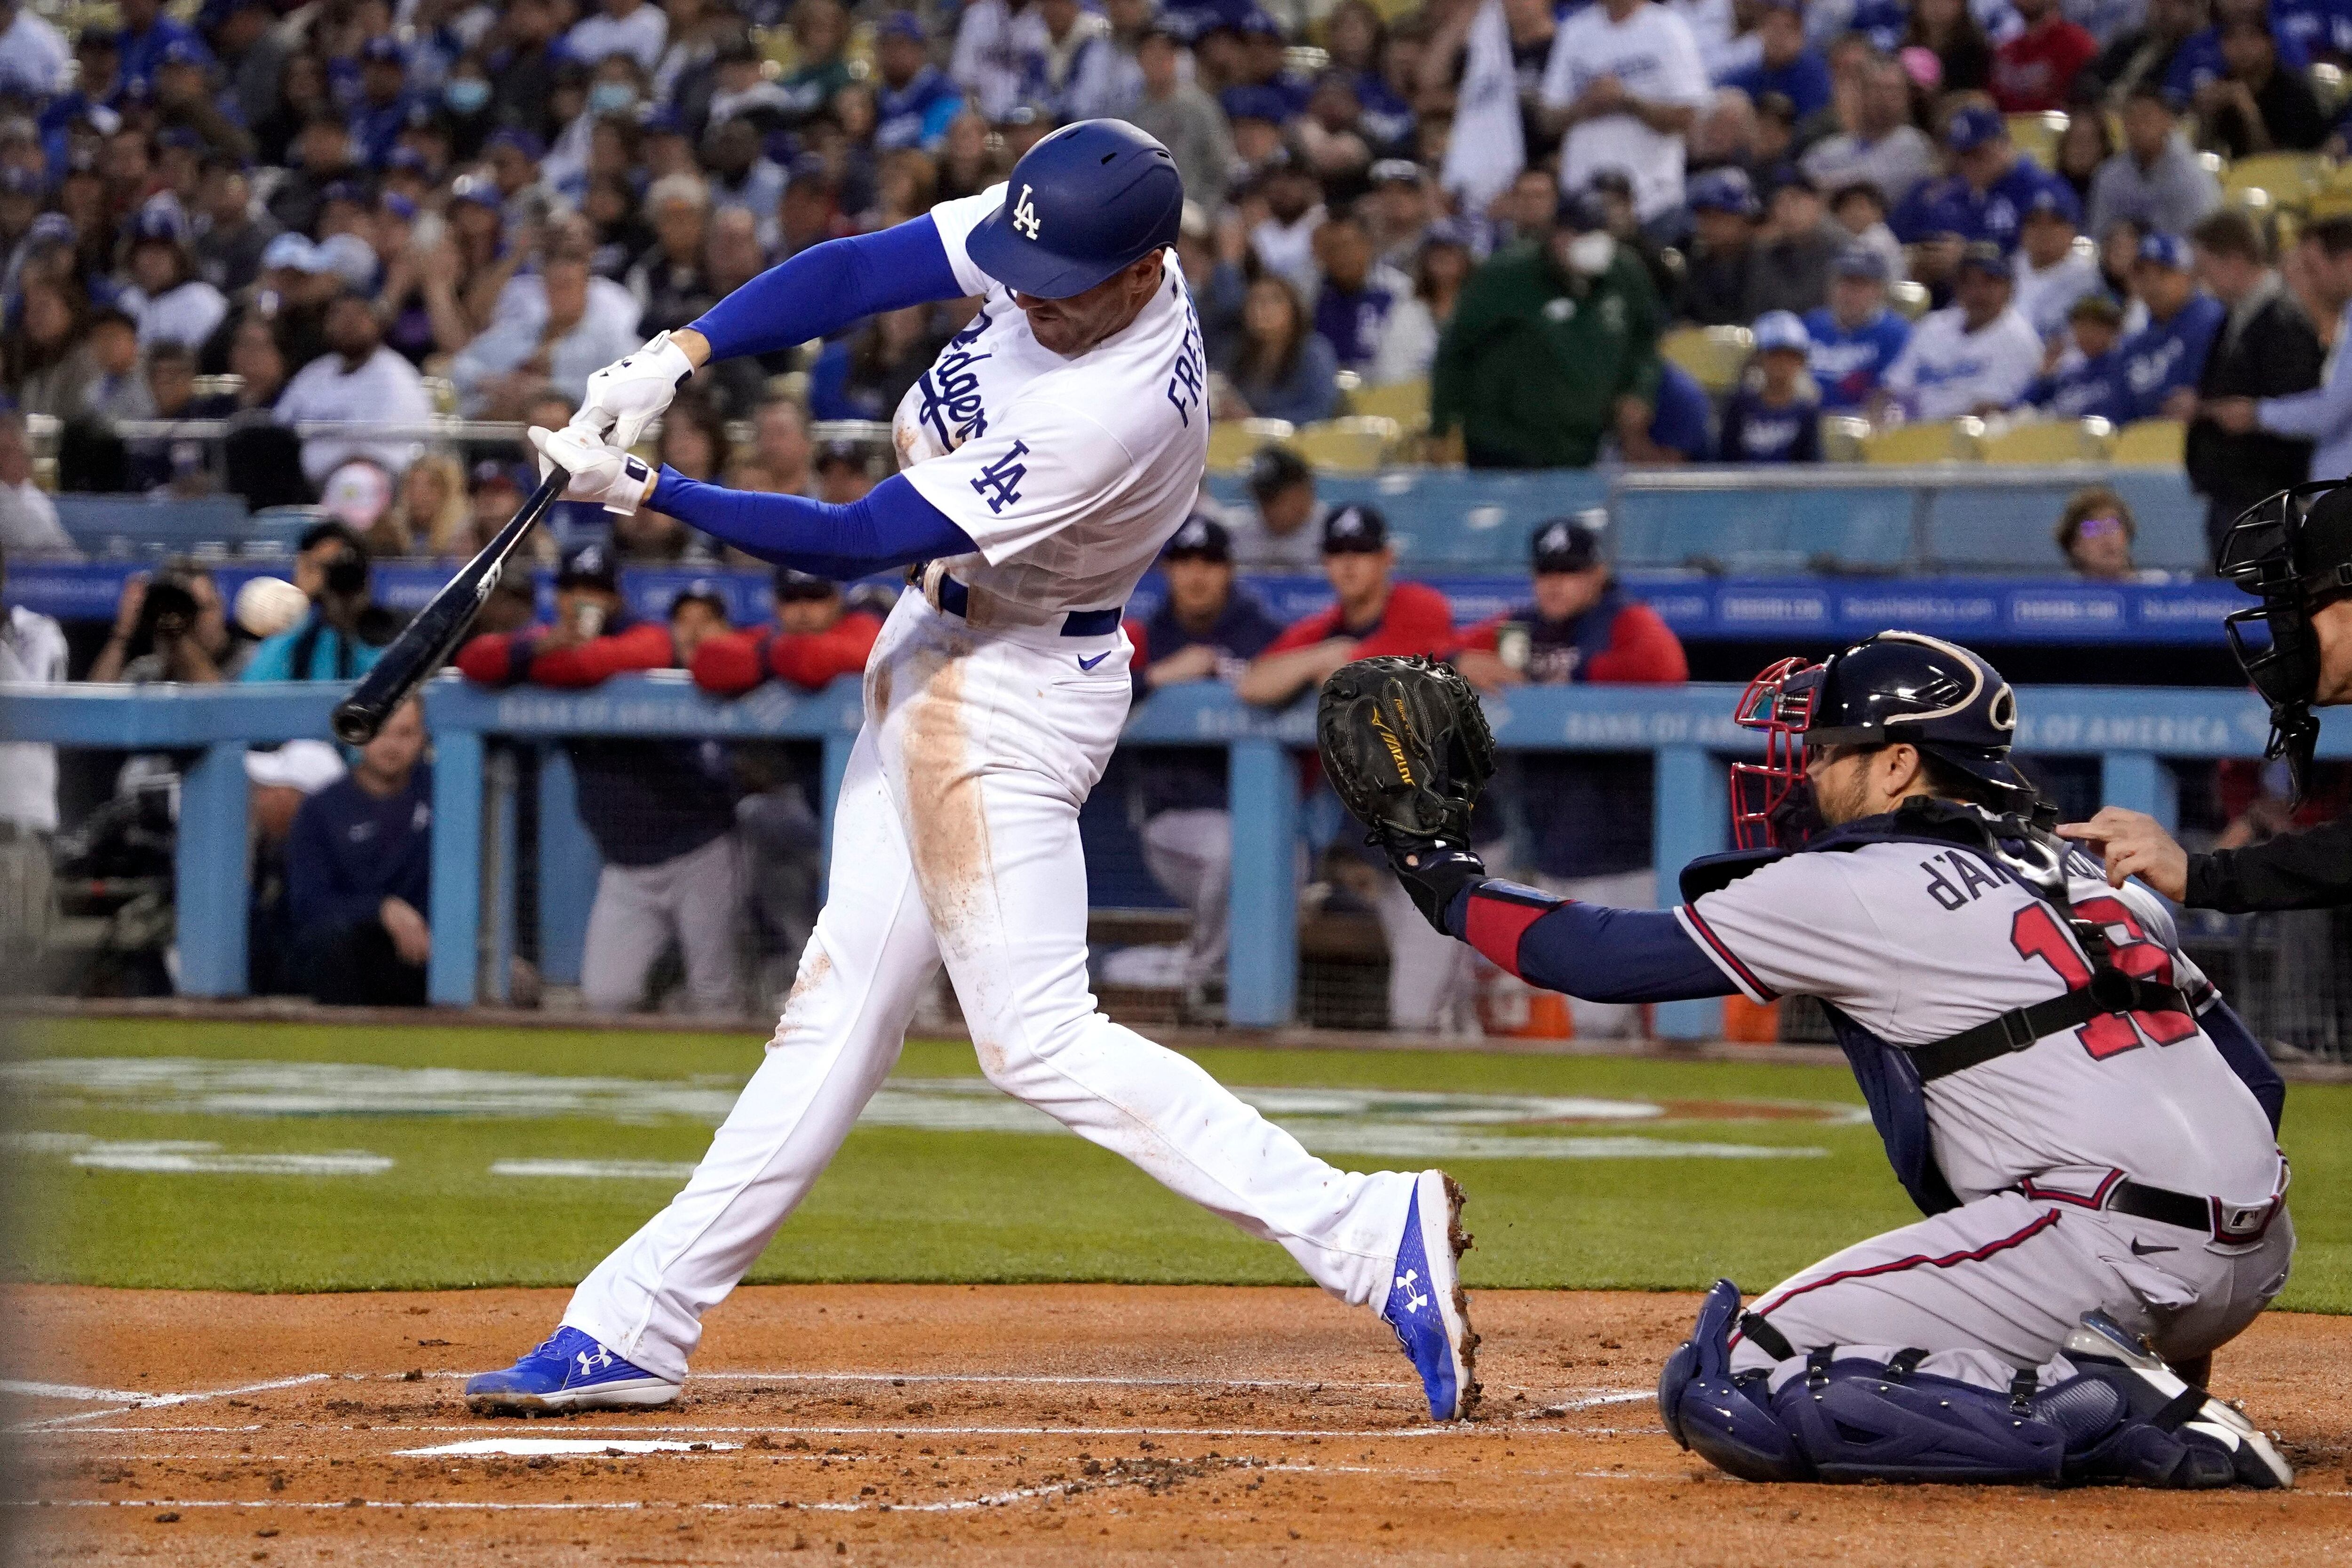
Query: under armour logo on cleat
x=593 y=1362
x=1413 y=1300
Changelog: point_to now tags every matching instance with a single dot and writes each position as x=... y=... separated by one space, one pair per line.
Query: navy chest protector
x=1893 y=1079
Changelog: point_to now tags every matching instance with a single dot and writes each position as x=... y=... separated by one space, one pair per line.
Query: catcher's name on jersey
x=1916 y=941
x=1068 y=473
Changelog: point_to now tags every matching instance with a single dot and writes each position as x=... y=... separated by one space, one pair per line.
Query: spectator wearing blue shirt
x=1984 y=198
x=2089 y=382
x=1789 y=66
x=1352 y=307
x=1679 y=428
x=1776 y=415
x=147 y=33
x=2198 y=63
x=358 y=866
x=914 y=102
x=343 y=635
x=1854 y=337
x=383 y=110
x=2163 y=360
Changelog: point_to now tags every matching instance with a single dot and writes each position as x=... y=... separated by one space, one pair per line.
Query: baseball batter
x=1048 y=454
x=2087 y=1125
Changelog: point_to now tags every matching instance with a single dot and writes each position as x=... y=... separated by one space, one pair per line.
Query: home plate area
x=914 y=1424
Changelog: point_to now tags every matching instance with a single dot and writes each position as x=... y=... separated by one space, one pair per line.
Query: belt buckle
x=927 y=575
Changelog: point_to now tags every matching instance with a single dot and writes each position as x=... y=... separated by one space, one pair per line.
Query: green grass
x=907 y=1205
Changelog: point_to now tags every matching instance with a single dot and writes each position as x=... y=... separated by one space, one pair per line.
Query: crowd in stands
x=277 y=214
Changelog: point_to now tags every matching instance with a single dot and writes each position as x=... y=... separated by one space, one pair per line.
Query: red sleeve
x=1481 y=638
x=1318 y=627
x=813 y=660
x=1419 y=621
x=642 y=647
x=489 y=659
x=1642 y=651
x=728 y=664
x=1142 y=644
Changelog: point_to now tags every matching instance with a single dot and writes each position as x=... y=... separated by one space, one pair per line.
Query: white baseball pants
x=956 y=841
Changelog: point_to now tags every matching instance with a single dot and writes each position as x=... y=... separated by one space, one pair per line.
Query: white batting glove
x=605 y=474
x=631 y=392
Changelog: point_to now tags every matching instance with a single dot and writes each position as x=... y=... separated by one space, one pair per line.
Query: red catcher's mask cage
x=1778 y=704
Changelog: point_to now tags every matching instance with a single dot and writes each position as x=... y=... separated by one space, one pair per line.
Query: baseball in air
x=268 y=605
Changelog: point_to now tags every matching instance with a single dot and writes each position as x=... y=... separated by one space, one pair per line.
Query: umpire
x=2293 y=550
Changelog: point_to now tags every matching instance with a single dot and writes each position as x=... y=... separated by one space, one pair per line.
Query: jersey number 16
x=2036 y=933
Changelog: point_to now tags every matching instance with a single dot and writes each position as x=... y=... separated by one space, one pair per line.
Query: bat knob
x=354 y=725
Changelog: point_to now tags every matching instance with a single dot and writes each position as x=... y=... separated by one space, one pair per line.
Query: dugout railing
x=478 y=853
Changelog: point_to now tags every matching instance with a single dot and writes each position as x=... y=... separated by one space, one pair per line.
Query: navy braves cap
x=1565 y=543
x=2166 y=250
x=1972 y=125
x=793 y=585
x=701 y=591
x=1082 y=203
x=590 y=565
x=1860 y=261
x=1355 y=531
x=1276 y=470
x=490 y=471
x=1202 y=538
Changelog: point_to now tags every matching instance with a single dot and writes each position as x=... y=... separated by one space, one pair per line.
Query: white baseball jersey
x=1916 y=941
x=1652 y=54
x=1069 y=474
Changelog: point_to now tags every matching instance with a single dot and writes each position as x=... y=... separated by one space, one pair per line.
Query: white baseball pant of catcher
x=956 y=839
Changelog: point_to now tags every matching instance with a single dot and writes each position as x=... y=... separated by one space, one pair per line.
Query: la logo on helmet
x=1024 y=216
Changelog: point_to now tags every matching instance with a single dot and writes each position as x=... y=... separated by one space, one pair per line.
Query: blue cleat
x=1425 y=1304
x=569 y=1371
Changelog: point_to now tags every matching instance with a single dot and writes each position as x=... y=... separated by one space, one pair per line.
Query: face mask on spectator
x=612 y=97
x=1591 y=253
x=467 y=95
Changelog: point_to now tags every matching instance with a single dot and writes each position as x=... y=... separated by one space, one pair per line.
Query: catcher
x=2086 y=1125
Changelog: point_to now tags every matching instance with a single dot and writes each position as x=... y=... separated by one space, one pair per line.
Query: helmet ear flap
x=2003 y=712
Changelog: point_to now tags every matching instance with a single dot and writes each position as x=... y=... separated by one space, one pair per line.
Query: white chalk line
x=146 y=1401
x=1454 y=1430
x=895 y=1378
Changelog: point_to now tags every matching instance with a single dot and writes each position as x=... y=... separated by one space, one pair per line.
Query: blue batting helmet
x=1082 y=203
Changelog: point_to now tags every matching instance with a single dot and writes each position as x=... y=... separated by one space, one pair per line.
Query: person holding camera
x=344 y=634
x=1587 y=817
x=168 y=627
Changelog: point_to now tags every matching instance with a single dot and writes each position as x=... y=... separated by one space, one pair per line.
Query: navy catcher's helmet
x=1082 y=203
x=1899 y=686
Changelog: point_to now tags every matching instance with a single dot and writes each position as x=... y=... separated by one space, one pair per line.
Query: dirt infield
x=1094 y=1424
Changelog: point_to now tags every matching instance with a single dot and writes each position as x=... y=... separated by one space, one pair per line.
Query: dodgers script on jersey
x=1068 y=473
x=1918 y=941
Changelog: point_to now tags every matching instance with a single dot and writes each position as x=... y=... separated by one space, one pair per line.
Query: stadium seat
x=2291 y=179
x=1357 y=444
x=1841 y=437
x=2036 y=135
x=2051 y=441
x=2327 y=85
x=1713 y=355
x=1910 y=299
x=1960 y=440
x=2149 y=444
x=1232 y=443
x=1407 y=403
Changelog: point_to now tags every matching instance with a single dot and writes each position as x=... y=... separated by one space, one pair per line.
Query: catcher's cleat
x=568 y=1371
x=2160 y=1399
x=1426 y=1305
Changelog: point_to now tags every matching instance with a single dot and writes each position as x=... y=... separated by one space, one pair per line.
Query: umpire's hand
x=2134 y=843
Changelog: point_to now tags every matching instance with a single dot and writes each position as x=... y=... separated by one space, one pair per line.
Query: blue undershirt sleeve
x=2246 y=1058
x=1588 y=950
x=827 y=286
x=893 y=526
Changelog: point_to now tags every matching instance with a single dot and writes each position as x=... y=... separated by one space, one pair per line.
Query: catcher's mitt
x=1407 y=749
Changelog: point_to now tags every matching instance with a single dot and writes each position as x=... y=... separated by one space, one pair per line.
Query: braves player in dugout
x=2293 y=552
x=1028 y=505
x=2087 y=1126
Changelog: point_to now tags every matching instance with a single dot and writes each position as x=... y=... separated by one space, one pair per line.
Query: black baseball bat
x=425 y=644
